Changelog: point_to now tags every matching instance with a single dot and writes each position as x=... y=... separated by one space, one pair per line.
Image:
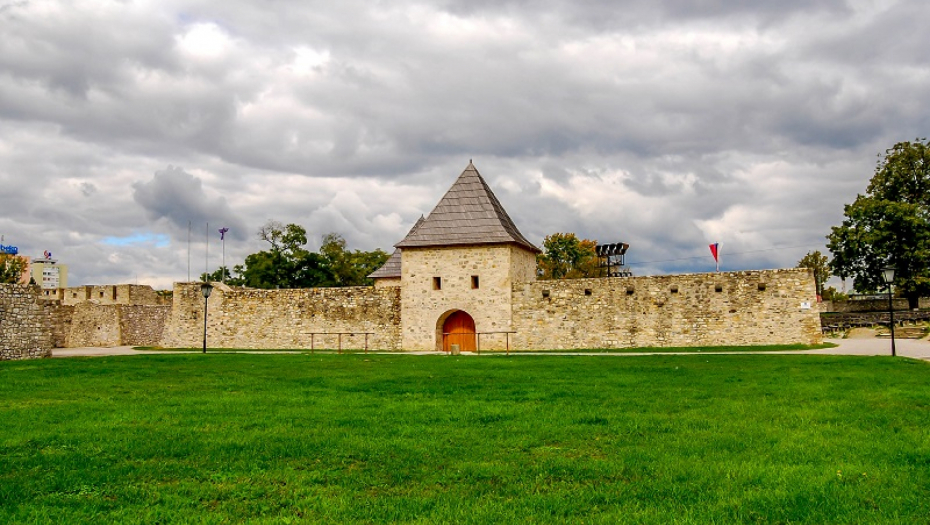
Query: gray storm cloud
x=178 y=196
x=666 y=124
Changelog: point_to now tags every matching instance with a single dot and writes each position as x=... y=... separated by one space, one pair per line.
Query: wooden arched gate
x=459 y=329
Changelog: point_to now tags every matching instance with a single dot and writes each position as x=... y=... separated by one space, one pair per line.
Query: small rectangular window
x=474 y=282
x=437 y=283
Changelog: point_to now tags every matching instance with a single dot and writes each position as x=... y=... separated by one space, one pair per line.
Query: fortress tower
x=457 y=268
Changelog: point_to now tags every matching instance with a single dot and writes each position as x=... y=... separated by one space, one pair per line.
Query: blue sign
x=12 y=250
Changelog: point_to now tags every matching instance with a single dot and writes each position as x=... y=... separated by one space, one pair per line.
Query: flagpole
x=206 y=259
x=188 y=251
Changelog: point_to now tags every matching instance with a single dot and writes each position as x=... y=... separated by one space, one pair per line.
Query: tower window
x=474 y=282
x=437 y=283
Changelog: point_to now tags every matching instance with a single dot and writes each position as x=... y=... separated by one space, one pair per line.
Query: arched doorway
x=459 y=329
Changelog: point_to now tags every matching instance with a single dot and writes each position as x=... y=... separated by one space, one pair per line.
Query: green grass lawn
x=438 y=439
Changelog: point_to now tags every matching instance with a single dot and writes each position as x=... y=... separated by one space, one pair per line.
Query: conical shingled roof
x=468 y=213
x=391 y=267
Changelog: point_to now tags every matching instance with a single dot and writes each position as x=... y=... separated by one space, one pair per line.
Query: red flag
x=715 y=251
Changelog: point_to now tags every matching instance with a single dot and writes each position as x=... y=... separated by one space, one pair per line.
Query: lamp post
x=888 y=275
x=206 y=289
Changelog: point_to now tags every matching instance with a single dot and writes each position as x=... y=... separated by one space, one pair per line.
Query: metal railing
x=478 y=338
x=339 y=334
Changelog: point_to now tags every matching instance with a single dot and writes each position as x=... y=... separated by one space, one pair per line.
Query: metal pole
x=891 y=311
x=205 y=324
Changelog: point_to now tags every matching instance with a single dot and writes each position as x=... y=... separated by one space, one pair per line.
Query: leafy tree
x=819 y=264
x=349 y=268
x=288 y=264
x=832 y=294
x=889 y=225
x=12 y=268
x=565 y=256
x=223 y=274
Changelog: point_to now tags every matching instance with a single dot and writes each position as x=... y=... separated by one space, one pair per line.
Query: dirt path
x=917 y=349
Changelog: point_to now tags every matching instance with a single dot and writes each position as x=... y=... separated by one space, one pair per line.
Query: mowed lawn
x=440 y=439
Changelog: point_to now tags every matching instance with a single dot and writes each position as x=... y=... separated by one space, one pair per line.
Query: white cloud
x=666 y=124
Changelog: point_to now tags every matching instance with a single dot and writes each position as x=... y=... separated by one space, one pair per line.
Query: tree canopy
x=819 y=264
x=889 y=225
x=288 y=264
x=565 y=256
x=12 y=268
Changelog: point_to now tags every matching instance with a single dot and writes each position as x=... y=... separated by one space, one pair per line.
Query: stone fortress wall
x=125 y=294
x=732 y=308
x=24 y=325
x=709 y=309
x=302 y=318
x=103 y=325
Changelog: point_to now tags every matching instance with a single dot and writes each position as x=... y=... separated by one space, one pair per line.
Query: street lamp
x=206 y=289
x=888 y=275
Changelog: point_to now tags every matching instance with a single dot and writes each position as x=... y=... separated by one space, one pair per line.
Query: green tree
x=349 y=268
x=12 y=268
x=820 y=266
x=224 y=275
x=288 y=264
x=565 y=256
x=889 y=225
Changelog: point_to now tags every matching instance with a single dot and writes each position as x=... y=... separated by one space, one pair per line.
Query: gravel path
x=917 y=349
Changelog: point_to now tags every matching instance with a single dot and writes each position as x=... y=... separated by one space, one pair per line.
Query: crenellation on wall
x=750 y=308
x=24 y=326
x=125 y=294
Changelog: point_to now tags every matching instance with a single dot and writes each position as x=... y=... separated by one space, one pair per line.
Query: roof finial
x=469 y=161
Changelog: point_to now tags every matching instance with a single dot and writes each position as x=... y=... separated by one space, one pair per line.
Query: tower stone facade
x=458 y=266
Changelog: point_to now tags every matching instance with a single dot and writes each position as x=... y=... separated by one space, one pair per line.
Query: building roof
x=391 y=267
x=469 y=213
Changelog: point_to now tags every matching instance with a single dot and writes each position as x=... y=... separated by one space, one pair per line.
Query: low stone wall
x=94 y=325
x=59 y=317
x=285 y=318
x=142 y=325
x=869 y=305
x=103 y=325
x=731 y=308
x=24 y=325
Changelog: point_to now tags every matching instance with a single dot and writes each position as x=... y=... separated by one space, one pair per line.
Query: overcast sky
x=667 y=124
